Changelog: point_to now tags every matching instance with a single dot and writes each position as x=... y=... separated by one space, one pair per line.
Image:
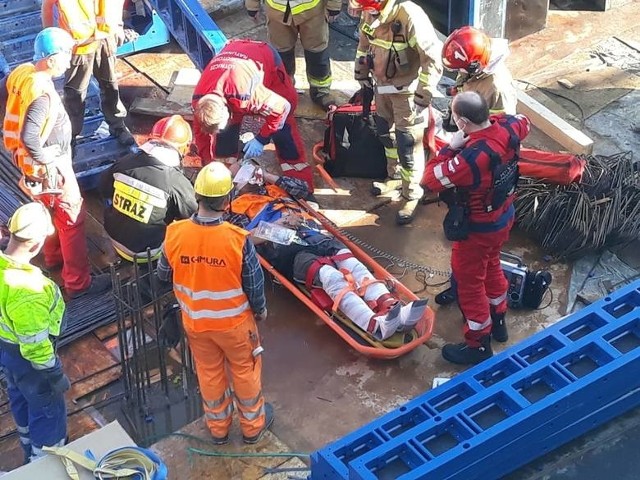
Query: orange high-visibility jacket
x=24 y=85
x=207 y=274
x=86 y=20
x=251 y=204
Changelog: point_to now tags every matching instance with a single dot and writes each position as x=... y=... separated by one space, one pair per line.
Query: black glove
x=448 y=125
x=58 y=381
x=170 y=332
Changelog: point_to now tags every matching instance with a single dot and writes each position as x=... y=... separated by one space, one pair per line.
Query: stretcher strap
x=113 y=465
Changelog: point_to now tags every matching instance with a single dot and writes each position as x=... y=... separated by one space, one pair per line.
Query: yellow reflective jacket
x=299 y=10
x=88 y=21
x=403 y=50
x=31 y=309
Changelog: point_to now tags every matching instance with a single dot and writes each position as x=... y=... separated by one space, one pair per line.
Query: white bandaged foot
x=411 y=313
x=387 y=324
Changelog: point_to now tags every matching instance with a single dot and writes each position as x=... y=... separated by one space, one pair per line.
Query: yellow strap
x=111 y=466
x=70 y=458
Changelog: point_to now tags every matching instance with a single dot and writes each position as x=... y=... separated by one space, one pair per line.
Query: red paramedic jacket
x=469 y=168
x=241 y=73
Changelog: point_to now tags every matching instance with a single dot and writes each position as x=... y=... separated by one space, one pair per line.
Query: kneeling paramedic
x=219 y=284
x=31 y=312
x=37 y=132
x=146 y=191
x=476 y=175
x=399 y=48
x=248 y=78
x=316 y=259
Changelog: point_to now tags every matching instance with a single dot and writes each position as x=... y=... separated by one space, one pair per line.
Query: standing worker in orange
x=37 y=132
x=288 y=20
x=97 y=28
x=219 y=284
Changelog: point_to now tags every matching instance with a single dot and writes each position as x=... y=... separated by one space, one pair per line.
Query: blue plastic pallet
x=509 y=410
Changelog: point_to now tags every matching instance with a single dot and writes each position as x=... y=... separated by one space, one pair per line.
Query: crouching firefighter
x=476 y=175
x=480 y=64
x=399 y=48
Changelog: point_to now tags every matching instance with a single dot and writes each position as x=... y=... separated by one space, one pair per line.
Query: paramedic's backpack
x=351 y=147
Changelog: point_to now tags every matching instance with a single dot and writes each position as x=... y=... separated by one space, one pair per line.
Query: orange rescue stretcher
x=400 y=343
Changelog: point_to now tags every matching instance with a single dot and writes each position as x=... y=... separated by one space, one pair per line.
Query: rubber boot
x=463 y=354
x=499 y=327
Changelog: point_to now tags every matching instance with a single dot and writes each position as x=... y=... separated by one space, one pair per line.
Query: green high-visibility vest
x=31 y=309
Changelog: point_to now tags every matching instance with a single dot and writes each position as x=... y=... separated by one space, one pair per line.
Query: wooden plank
x=160 y=108
x=78 y=425
x=553 y=126
x=94 y=382
x=89 y=366
x=108 y=331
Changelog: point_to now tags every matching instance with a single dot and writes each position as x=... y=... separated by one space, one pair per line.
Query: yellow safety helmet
x=31 y=221
x=214 y=180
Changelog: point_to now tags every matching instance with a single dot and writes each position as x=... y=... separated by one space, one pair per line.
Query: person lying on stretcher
x=295 y=244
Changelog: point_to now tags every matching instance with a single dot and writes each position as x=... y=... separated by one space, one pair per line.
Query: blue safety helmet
x=50 y=41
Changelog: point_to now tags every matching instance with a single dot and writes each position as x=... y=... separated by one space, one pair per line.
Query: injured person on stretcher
x=296 y=245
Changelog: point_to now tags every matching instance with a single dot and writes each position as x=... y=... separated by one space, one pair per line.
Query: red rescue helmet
x=376 y=5
x=467 y=49
x=175 y=131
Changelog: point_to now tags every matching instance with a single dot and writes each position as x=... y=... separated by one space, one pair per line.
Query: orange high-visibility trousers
x=218 y=352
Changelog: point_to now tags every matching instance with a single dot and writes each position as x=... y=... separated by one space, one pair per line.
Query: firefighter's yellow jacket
x=402 y=49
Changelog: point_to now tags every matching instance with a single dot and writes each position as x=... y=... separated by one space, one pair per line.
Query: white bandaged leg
x=411 y=313
x=351 y=305
x=361 y=273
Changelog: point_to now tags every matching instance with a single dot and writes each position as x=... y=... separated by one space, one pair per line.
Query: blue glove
x=253 y=149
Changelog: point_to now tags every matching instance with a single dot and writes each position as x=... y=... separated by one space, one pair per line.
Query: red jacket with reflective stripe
x=470 y=167
x=242 y=73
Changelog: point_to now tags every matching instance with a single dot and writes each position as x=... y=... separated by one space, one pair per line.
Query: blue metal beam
x=509 y=410
x=192 y=27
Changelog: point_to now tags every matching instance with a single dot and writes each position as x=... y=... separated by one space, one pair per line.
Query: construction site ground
x=321 y=389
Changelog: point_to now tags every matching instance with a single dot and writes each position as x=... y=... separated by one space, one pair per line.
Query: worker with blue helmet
x=37 y=132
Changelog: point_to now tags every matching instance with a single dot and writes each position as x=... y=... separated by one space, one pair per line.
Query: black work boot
x=268 y=421
x=446 y=297
x=499 y=327
x=463 y=354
